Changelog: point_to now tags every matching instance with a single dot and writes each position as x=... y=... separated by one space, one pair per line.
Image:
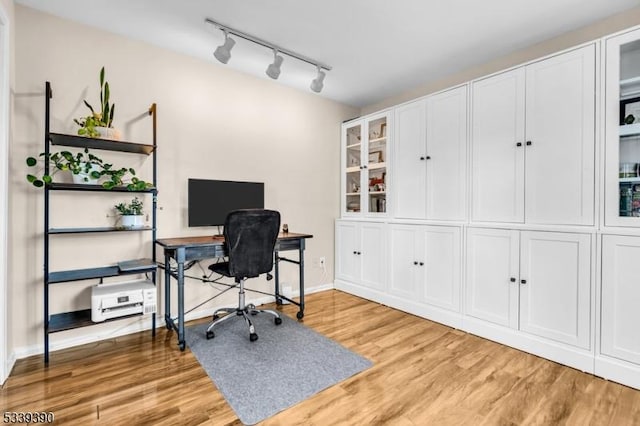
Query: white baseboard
x=10 y=362
x=618 y=371
x=142 y=324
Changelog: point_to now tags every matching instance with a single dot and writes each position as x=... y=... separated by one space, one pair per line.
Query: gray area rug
x=287 y=364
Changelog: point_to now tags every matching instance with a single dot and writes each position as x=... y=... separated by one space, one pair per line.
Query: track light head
x=223 y=52
x=318 y=83
x=273 y=70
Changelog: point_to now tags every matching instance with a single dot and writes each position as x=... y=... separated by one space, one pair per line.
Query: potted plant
x=99 y=124
x=131 y=213
x=86 y=168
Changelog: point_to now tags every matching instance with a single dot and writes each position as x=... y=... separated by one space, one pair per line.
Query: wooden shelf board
x=100 y=229
x=377 y=192
x=70 y=320
x=355 y=145
x=96 y=143
x=353 y=169
x=375 y=166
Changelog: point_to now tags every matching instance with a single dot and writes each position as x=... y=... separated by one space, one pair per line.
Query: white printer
x=122 y=299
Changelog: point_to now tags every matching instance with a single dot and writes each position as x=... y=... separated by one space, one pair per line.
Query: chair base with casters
x=244 y=311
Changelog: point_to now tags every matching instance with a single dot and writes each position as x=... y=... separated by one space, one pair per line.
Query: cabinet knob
x=421 y=263
x=519 y=144
x=528 y=143
x=523 y=281
x=364 y=167
x=359 y=253
x=513 y=280
x=428 y=157
x=355 y=252
x=422 y=158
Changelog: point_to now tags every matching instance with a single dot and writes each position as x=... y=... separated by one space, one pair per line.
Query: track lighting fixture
x=318 y=83
x=273 y=70
x=223 y=53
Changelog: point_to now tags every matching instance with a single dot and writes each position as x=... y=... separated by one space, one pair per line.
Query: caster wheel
x=278 y=321
x=278 y=301
x=215 y=317
x=300 y=315
x=181 y=345
x=254 y=313
x=253 y=337
x=210 y=335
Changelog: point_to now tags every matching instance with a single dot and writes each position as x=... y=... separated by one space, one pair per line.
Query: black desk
x=197 y=248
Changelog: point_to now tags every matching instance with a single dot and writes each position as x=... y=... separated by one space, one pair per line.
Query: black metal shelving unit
x=69 y=320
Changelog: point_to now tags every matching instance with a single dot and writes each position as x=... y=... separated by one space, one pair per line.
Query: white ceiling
x=377 y=48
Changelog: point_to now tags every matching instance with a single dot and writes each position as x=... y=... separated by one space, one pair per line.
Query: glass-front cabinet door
x=365 y=149
x=622 y=130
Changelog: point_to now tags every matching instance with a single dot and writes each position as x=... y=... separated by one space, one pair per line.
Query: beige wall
x=213 y=123
x=591 y=32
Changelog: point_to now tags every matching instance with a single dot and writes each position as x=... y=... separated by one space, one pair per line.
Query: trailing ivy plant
x=88 y=164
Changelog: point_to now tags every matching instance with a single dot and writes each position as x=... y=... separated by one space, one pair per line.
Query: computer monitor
x=210 y=201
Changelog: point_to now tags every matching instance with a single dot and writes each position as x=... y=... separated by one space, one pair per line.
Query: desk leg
x=180 y=256
x=277 y=276
x=167 y=290
x=300 y=313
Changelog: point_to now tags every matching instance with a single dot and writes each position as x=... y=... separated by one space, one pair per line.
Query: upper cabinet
x=431 y=157
x=622 y=130
x=533 y=142
x=365 y=166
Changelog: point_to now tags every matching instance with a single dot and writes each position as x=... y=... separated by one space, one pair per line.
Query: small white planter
x=108 y=133
x=132 y=221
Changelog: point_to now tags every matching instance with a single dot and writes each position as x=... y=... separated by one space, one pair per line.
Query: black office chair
x=250 y=238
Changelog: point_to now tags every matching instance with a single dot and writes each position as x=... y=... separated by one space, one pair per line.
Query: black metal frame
x=70 y=320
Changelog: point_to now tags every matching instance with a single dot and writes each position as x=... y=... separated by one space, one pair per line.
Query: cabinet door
x=351 y=181
x=410 y=159
x=447 y=154
x=497 y=162
x=622 y=141
x=620 y=297
x=375 y=159
x=403 y=262
x=555 y=289
x=441 y=270
x=373 y=251
x=492 y=290
x=560 y=150
x=347 y=247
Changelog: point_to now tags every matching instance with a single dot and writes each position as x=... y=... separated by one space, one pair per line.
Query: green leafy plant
x=132 y=208
x=103 y=118
x=89 y=165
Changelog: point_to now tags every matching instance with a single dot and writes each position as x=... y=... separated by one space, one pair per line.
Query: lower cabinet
x=361 y=253
x=620 y=300
x=424 y=263
x=532 y=281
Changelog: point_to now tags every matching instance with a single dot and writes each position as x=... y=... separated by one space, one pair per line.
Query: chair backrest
x=251 y=236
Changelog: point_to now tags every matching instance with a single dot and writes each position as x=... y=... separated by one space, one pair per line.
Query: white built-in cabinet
x=533 y=142
x=507 y=218
x=620 y=298
x=424 y=264
x=430 y=157
x=534 y=281
x=360 y=253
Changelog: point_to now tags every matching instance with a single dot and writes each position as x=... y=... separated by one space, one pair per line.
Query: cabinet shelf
x=353 y=169
x=630 y=180
x=353 y=194
x=629 y=87
x=377 y=192
x=98 y=229
x=630 y=130
x=375 y=166
x=378 y=141
x=77 y=319
x=355 y=145
x=96 y=143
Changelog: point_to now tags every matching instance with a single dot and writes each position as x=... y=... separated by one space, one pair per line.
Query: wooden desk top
x=209 y=240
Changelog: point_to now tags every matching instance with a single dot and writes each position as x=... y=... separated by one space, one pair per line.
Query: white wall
x=213 y=123
x=6 y=62
x=591 y=32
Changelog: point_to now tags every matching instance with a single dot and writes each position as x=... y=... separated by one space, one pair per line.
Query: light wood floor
x=423 y=374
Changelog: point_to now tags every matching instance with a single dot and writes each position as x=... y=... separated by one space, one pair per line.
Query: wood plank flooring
x=424 y=374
